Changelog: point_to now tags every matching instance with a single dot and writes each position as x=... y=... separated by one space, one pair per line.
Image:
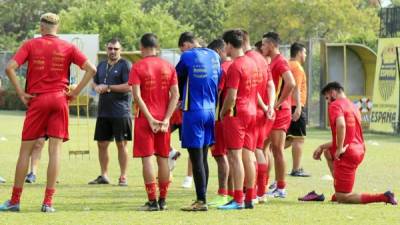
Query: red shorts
x=344 y=170
x=283 y=118
x=47 y=116
x=263 y=130
x=219 y=148
x=176 y=118
x=146 y=143
x=239 y=132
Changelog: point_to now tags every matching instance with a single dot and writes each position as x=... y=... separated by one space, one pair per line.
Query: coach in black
x=114 y=117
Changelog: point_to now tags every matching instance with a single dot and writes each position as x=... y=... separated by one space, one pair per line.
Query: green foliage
x=296 y=20
x=205 y=16
x=123 y=19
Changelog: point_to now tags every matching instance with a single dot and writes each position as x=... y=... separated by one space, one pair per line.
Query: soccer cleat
x=196 y=207
x=261 y=199
x=278 y=193
x=391 y=199
x=254 y=201
x=6 y=206
x=149 y=206
x=219 y=200
x=312 y=196
x=187 y=182
x=30 y=178
x=249 y=205
x=162 y=204
x=47 y=209
x=173 y=156
x=233 y=205
x=299 y=173
x=2 y=180
x=122 y=181
x=99 y=180
x=272 y=188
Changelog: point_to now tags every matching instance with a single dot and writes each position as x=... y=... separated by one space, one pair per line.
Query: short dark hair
x=149 y=40
x=114 y=41
x=234 y=37
x=332 y=86
x=186 y=37
x=258 y=45
x=216 y=44
x=295 y=48
x=273 y=36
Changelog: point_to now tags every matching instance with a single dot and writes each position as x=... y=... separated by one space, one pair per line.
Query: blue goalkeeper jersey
x=199 y=72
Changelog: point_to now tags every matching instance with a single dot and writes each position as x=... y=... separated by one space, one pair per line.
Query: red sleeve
x=174 y=77
x=334 y=112
x=22 y=54
x=78 y=58
x=221 y=84
x=134 y=76
x=282 y=67
x=269 y=74
x=232 y=78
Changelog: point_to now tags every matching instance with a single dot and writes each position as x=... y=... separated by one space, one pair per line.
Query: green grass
x=78 y=203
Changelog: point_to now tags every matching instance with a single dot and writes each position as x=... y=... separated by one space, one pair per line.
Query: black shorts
x=297 y=128
x=108 y=129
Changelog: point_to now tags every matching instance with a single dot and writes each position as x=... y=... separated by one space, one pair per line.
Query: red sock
x=222 y=191
x=16 y=195
x=163 y=186
x=151 y=189
x=333 y=198
x=281 y=184
x=231 y=193
x=369 y=198
x=48 y=196
x=261 y=179
x=238 y=196
x=249 y=195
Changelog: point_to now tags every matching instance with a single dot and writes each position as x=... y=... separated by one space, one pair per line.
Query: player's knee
x=341 y=197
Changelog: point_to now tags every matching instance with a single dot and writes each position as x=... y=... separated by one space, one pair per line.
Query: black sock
x=199 y=174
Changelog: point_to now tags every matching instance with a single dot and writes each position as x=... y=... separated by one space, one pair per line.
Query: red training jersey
x=279 y=65
x=155 y=77
x=221 y=86
x=242 y=75
x=354 y=135
x=49 y=59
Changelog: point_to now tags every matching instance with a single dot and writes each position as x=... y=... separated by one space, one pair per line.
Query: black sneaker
x=99 y=180
x=299 y=173
x=248 y=205
x=162 y=204
x=149 y=206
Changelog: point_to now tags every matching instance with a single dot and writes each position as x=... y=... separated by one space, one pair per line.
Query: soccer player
x=265 y=113
x=49 y=59
x=155 y=89
x=219 y=150
x=238 y=114
x=199 y=71
x=346 y=150
x=113 y=114
x=297 y=130
x=284 y=85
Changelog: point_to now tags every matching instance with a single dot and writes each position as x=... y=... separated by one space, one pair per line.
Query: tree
x=20 y=18
x=123 y=19
x=299 y=19
x=205 y=16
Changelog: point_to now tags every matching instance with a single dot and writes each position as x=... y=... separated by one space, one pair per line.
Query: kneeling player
x=346 y=150
x=155 y=89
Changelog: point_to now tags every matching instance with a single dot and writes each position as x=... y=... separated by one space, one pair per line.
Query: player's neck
x=246 y=48
x=113 y=62
x=274 y=53
x=148 y=52
x=237 y=53
x=341 y=95
x=49 y=33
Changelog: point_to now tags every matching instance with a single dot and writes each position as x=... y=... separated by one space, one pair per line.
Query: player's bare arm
x=340 y=135
x=173 y=101
x=271 y=97
x=119 y=88
x=154 y=124
x=90 y=71
x=10 y=71
x=261 y=103
x=290 y=84
x=229 y=102
x=320 y=149
x=296 y=97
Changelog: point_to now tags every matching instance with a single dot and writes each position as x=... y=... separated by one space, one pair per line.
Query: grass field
x=78 y=203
